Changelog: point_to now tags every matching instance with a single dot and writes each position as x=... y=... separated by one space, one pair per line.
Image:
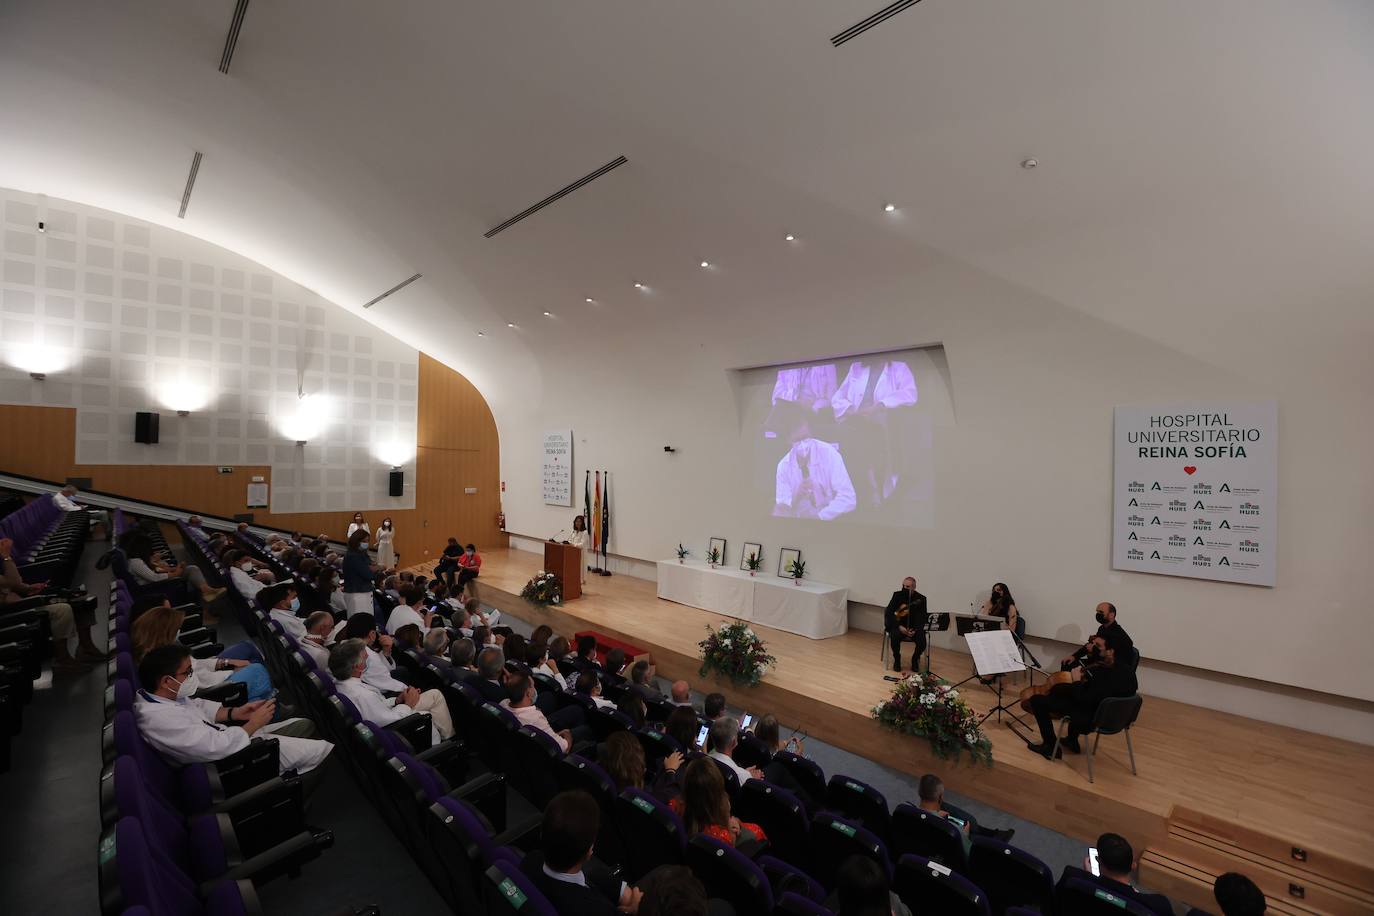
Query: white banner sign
x=558 y=456
x=1196 y=491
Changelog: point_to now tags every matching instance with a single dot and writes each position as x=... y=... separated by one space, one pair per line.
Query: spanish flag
x=596 y=517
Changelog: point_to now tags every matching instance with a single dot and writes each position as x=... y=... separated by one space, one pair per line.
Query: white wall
x=130 y=317
x=1023 y=478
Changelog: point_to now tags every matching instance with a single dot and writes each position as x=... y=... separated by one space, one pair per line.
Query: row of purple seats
x=47 y=541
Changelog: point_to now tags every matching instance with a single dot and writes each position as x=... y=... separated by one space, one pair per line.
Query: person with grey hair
x=721 y=739
x=65 y=499
x=435 y=646
x=462 y=652
x=319 y=626
x=491 y=674
x=348 y=661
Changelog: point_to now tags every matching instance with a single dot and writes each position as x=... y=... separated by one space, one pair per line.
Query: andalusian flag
x=596 y=517
x=587 y=502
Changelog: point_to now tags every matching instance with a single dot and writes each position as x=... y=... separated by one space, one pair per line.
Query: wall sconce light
x=300 y=443
x=183 y=413
x=38 y=376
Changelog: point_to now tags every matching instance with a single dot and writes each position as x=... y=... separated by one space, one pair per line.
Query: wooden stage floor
x=1309 y=789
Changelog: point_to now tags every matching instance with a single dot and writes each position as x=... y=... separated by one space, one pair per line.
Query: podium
x=565 y=562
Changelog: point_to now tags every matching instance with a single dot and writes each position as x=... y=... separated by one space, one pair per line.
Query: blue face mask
x=295 y=604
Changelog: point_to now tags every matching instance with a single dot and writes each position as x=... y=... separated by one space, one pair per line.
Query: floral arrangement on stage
x=735 y=651
x=544 y=588
x=926 y=705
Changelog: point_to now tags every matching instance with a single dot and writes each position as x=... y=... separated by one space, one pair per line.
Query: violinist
x=904 y=619
x=1105 y=670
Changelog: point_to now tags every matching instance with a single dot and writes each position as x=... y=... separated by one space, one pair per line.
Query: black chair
x=652 y=834
x=860 y=802
x=1076 y=897
x=532 y=772
x=934 y=888
x=790 y=904
x=574 y=772
x=729 y=875
x=782 y=817
x=916 y=831
x=606 y=722
x=808 y=774
x=656 y=746
x=834 y=840
x=1012 y=877
x=1114 y=716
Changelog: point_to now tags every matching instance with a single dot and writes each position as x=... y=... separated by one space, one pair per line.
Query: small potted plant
x=682 y=552
x=713 y=557
x=798 y=569
x=753 y=562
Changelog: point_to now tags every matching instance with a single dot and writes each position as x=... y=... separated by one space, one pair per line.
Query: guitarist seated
x=1099 y=677
x=904 y=619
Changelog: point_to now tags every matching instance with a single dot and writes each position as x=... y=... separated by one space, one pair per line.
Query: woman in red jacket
x=468 y=565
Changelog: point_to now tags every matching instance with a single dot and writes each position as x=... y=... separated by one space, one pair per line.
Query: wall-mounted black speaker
x=398 y=483
x=145 y=427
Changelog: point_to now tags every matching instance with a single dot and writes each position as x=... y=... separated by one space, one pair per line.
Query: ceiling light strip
x=884 y=14
x=395 y=289
x=190 y=183
x=615 y=163
x=232 y=39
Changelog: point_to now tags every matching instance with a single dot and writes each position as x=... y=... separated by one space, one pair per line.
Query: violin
x=1057 y=678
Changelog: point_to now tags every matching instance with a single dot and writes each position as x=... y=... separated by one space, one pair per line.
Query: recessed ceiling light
x=639 y=286
x=1029 y=163
x=705 y=263
x=481 y=333
x=790 y=237
x=590 y=301
x=548 y=314
x=889 y=208
x=510 y=324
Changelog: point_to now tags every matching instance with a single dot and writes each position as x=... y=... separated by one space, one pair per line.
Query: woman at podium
x=579 y=539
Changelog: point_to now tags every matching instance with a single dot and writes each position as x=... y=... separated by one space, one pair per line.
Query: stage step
x=1296 y=880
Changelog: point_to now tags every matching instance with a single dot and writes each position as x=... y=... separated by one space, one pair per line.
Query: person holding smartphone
x=1115 y=862
x=774 y=770
x=932 y=797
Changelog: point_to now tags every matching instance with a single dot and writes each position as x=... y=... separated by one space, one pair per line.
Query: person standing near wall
x=386 y=547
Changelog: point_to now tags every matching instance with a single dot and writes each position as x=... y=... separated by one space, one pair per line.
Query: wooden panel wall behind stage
x=456 y=438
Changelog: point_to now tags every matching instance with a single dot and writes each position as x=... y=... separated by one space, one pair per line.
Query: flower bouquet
x=543 y=589
x=735 y=651
x=926 y=705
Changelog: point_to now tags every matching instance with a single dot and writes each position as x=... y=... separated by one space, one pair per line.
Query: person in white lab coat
x=186 y=730
x=316 y=642
x=411 y=610
x=811 y=480
x=348 y=662
x=285 y=611
x=380 y=665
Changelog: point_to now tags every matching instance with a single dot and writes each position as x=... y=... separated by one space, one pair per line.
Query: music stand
x=994 y=653
x=935 y=623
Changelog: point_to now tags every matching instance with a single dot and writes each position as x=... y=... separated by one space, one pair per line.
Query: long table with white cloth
x=812 y=609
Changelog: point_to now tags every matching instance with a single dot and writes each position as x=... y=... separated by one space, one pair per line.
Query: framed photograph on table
x=750 y=550
x=786 y=556
x=717 y=545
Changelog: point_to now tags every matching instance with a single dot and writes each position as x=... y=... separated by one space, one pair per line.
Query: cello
x=1055 y=679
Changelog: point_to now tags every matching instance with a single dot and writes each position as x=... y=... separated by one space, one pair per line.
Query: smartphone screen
x=701 y=737
x=746 y=722
x=1092 y=861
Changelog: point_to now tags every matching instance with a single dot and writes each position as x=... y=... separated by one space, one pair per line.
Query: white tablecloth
x=811 y=609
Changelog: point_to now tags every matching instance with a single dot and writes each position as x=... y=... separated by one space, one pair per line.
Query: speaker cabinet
x=398 y=483
x=145 y=427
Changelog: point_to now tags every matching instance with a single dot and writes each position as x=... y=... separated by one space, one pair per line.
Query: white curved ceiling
x=1202 y=165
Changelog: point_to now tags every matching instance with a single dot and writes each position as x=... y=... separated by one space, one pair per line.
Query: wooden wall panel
x=457 y=449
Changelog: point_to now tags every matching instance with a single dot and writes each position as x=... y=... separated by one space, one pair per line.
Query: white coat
x=185 y=731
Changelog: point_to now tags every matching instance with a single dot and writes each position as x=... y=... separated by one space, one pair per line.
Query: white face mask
x=246 y=567
x=187 y=687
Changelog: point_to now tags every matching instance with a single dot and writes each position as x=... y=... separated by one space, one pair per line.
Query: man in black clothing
x=1115 y=861
x=1102 y=675
x=1108 y=629
x=571 y=822
x=448 y=562
x=910 y=626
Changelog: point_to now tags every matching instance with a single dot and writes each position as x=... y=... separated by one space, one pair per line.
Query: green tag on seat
x=643 y=804
x=854 y=786
x=512 y=893
x=843 y=828
x=1109 y=898
x=107 y=847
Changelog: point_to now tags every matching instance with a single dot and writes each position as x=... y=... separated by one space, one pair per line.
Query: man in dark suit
x=558 y=867
x=1108 y=671
x=642 y=681
x=1115 y=860
x=911 y=626
x=491 y=675
x=1108 y=629
x=612 y=675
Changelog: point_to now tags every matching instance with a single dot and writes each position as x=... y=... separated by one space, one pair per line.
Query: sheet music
x=994 y=652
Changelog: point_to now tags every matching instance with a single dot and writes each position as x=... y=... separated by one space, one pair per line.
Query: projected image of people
x=847 y=443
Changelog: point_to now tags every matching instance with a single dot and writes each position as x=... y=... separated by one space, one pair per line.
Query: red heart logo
x=1190 y=470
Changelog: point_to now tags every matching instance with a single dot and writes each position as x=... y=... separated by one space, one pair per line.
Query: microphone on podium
x=556 y=537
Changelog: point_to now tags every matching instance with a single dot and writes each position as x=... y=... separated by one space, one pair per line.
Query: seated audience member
x=461 y=623
x=285 y=610
x=682 y=726
x=537 y=657
x=775 y=771
x=65 y=499
x=463 y=655
x=520 y=694
x=176 y=725
x=622 y=757
x=469 y=566
x=932 y=798
x=542 y=634
x=560 y=650
x=633 y=707
x=380 y=666
x=515 y=649
x=589 y=685
x=1116 y=860
x=435 y=647
x=713 y=707
x=562 y=868
x=147 y=568
x=1236 y=895
x=410 y=610
x=308 y=569
x=861 y=889
x=160 y=625
x=672 y=890
x=246 y=575
x=316 y=642
x=721 y=740
x=704 y=807
x=586 y=654
x=244 y=649
x=348 y=661
x=65 y=619
x=447 y=566
x=491 y=675
x=642 y=681
x=612 y=670
x=477 y=616
x=681 y=694
x=408 y=638
x=391 y=587
x=327 y=587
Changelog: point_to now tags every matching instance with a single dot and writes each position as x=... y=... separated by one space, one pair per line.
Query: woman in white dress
x=356 y=524
x=386 y=550
x=580 y=539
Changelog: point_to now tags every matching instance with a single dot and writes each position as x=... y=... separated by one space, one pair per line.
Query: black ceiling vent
x=232 y=39
x=190 y=183
x=878 y=18
x=615 y=163
x=395 y=289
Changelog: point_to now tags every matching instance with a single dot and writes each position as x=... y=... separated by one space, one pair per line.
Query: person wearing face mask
x=246 y=575
x=380 y=666
x=316 y=643
x=285 y=610
x=159 y=624
x=357 y=574
x=348 y=665
x=1106 y=670
x=468 y=565
x=1107 y=628
x=187 y=730
x=386 y=544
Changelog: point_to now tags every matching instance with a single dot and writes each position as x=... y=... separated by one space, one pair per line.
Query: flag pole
x=606 y=527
